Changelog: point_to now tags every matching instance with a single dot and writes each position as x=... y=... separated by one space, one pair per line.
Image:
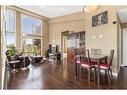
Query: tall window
x=31 y=35
x=10 y=27
x=31 y=25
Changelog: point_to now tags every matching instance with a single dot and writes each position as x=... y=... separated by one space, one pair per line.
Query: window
x=31 y=46
x=36 y=26
x=31 y=25
x=31 y=32
x=10 y=27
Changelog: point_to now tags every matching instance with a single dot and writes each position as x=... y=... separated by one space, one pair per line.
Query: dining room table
x=97 y=59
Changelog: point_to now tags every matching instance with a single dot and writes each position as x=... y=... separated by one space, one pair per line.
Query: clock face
x=99 y=19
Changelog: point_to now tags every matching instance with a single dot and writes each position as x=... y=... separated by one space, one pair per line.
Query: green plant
x=12 y=50
x=32 y=49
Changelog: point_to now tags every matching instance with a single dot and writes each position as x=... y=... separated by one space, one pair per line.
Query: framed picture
x=100 y=19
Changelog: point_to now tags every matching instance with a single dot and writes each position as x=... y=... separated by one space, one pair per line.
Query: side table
x=14 y=62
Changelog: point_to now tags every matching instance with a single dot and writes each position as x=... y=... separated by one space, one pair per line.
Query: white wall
x=72 y=22
x=125 y=47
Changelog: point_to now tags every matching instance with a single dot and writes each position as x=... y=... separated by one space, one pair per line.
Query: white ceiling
x=53 y=11
x=123 y=15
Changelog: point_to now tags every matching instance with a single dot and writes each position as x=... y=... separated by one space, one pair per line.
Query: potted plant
x=12 y=52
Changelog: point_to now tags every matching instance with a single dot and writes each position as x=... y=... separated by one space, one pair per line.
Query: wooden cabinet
x=75 y=41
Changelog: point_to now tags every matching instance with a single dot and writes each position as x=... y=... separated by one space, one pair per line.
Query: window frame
x=14 y=33
x=32 y=35
x=41 y=34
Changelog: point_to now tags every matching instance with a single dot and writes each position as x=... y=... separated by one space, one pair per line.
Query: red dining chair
x=87 y=64
x=96 y=52
x=107 y=66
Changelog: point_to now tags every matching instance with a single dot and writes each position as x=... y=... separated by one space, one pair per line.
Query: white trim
x=14 y=32
x=113 y=73
x=123 y=65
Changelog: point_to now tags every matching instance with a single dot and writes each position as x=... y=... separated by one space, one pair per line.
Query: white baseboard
x=123 y=65
x=114 y=74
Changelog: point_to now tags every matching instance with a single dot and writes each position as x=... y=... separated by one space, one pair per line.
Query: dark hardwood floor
x=59 y=75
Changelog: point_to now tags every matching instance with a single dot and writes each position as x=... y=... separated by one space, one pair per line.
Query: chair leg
x=94 y=74
x=88 y=75
x=98 y=75
x=80 y=71
x=108 y=77
x=111 y=74
x=105 y=73
x=76 y=69
x=105 y=78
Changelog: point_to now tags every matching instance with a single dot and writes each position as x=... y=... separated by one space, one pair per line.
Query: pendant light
x=90 y=8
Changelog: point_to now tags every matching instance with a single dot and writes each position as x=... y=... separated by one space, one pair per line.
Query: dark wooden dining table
x=97 y=59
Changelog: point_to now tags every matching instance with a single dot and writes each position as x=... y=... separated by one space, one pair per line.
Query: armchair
x=23 y=61
x=11 y=59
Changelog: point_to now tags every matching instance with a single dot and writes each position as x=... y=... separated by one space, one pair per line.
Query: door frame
x=123 y=48
x=64 y=33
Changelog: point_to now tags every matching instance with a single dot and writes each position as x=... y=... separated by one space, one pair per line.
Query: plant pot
x=13 y=58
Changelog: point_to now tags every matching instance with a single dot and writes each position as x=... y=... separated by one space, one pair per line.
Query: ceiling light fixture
x=90 y=8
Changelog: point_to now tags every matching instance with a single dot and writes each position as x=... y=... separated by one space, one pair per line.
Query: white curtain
x=3 y=42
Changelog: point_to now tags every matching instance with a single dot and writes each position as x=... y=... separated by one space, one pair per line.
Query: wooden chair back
x=111 y=57
x=87 y=55
x=96 y=52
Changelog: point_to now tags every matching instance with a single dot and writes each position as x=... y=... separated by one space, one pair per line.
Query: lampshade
x=91 y=8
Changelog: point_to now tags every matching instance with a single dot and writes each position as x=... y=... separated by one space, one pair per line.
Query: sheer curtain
x=3 y=45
